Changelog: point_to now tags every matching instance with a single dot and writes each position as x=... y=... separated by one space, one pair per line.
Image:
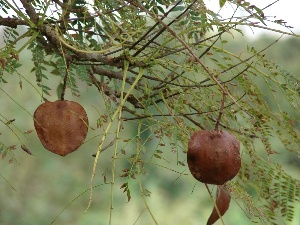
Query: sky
x=287 y=10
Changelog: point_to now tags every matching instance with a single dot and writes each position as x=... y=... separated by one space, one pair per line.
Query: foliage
x=164 y=67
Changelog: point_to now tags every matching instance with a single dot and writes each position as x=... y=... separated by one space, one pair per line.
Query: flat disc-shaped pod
x=61 y=126
x=213 y=156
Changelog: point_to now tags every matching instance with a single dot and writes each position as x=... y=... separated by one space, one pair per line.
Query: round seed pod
x=213 y=156
x=61 y=126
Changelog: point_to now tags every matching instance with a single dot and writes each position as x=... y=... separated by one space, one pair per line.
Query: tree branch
x=12 y=22
x=102 y=87
x=111 y=74
x=30 y=10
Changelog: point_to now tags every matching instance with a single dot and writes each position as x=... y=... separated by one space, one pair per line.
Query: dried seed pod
x=61 y=126
x=213 y=156
x=222 y=202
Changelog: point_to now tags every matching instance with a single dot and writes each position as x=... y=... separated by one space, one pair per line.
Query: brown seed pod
x=222 y=202
x=61 y=126
x=213 y=156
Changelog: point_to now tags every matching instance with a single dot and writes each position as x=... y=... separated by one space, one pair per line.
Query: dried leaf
x=3 y=63
x=15 y=56
x=26 y=149
x=28 y=131
x=128 y=195
x=147 y=193
x=157 y=156
x=4 y=154
x=181 y=163
x=12 y=147
x=124 y=174
x=222 y=202
x=9 y=121
x=124 y=185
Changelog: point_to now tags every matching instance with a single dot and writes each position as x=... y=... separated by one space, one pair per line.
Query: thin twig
x=106 y=147
x=221 y=110
x=194 y=121
x=180 y=114
x=195 y=44
x=149 y=31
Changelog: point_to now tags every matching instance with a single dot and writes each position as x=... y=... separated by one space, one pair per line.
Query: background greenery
x=36 y=188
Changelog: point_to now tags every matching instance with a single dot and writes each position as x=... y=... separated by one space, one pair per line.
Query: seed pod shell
x=213 y=156
x=61 y=126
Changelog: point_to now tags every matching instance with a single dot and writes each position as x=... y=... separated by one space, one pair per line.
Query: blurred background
x=44 y=188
